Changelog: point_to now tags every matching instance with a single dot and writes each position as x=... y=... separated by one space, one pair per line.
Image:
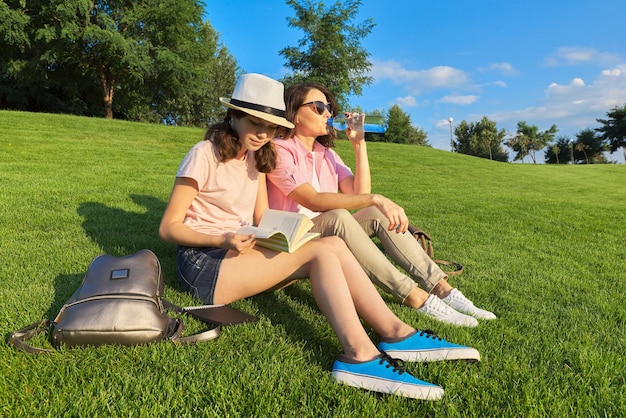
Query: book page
x=286 y=222
x=281 y=230
x=258 y=232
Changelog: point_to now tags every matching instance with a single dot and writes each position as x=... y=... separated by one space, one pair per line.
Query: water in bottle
x=372 y=123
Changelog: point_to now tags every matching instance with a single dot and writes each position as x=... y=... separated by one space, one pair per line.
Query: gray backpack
x=119 y=302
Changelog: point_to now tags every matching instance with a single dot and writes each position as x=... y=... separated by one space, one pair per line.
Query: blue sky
x=545 y=62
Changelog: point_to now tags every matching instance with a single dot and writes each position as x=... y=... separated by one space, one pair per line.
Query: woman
x=307 y=179
x=220 y=186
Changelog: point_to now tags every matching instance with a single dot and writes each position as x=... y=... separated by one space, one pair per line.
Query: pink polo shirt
x=294 y=168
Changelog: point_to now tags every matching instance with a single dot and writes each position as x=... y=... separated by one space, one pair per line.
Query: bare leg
x=248 y=274
x=367 y=301
x=442 y=289
x=416 y=298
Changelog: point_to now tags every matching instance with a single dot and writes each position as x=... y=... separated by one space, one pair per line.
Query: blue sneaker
x=384 y=375
x=426 y=346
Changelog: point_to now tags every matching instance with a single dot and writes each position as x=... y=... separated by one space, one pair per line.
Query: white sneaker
x=458 y=301
x=435 y=308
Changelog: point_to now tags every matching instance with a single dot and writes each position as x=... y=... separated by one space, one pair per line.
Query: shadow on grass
x=119 y=232
x=64 y=287
x=320 y=343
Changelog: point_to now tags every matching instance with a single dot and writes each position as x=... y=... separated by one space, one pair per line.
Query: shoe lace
x=428 y=333
x=440 y=306
x=397 y=364
x=460 y=297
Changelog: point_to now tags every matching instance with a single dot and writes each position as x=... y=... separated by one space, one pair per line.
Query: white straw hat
x=259 y=96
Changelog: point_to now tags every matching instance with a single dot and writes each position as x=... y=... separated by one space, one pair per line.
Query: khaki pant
x=356 y=230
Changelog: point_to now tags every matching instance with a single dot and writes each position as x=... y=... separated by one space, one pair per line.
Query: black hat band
x=260 y=108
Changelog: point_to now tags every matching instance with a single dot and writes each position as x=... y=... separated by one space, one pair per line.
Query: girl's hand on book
x=238 y=243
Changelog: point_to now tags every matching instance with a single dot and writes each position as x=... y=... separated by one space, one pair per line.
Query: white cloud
x=580 y=55
x=444 y=123
x=500 y=67
x=576 y=105
x=417 y=81
x=459 y=100
x=615 y=72
x=407 y=101
x=555 y=88
x=607 y=91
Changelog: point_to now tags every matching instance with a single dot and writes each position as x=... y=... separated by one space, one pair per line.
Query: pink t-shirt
x=295 y=168
x=227 y=190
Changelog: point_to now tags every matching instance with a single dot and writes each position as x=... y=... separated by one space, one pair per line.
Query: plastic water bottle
x=372 y=123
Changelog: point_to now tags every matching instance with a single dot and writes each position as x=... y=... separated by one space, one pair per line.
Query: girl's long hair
x=294 y=99
x=228 y=145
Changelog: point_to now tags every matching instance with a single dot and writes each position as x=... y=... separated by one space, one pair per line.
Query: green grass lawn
x=543 y=247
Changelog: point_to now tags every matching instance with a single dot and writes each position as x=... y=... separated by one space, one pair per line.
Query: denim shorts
x=198 y=268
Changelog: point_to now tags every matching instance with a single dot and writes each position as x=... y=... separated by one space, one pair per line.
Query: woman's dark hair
x=228 y=145
x=295 y=96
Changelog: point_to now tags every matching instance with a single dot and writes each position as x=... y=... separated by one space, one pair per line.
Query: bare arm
x=356 y=191
x=261 y=199
x=308 y=197
x=361 y=182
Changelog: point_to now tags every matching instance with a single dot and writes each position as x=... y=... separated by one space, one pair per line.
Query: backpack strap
x=19 y=337
x=191 y=339
x=426 y=242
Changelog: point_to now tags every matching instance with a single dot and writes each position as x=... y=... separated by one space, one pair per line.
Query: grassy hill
x=543 y=247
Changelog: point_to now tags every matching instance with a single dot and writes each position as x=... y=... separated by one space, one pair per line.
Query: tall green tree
x=330 y=52
x=13 y=42
x=400 y=130
x=480 y=139
x=519 y=144
x=139 y=60
x=528 y=140
x=31 y=76
x=614 y=129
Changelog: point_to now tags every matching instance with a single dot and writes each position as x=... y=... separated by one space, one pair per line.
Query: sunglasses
x=319 y=107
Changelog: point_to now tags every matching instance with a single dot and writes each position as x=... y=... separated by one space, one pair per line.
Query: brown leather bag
x=449 y=267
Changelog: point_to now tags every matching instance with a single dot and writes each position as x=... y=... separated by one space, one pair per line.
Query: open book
x=281 y=230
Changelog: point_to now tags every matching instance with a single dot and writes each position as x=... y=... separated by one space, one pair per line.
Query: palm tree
x=556 y=150
x=582 y=147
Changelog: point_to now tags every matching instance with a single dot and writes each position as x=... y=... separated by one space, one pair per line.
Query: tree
x=519 y=143
x=555 y=149
x=614 y=129
x=138 y=60
x=560 y=151
x=582 y=147
x=30 y=75
x=589 y=147
x=400 y=130
x=528 y=140
x=191 y=67
x=330 y=53
x=481 y=139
